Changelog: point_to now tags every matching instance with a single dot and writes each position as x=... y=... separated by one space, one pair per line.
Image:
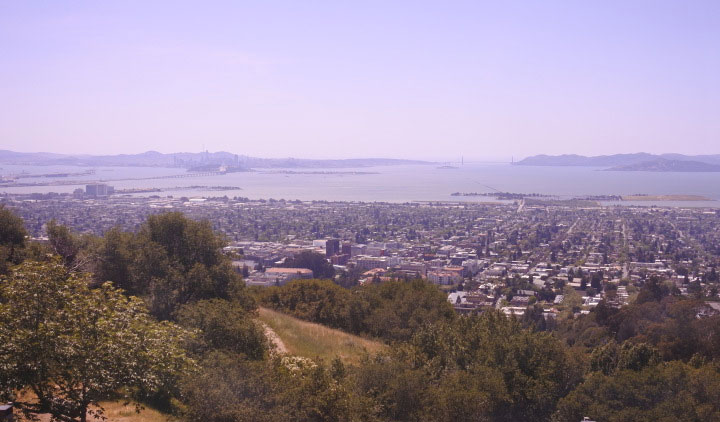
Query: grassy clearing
x=311 y=340
x=118 y=412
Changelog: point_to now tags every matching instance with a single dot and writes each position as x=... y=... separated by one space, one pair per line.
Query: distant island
x=644 y=197
x=320 y=172
x=631 y=162
x=145 y=190
x=199 y=161
x=502 y=195
x=664 y=165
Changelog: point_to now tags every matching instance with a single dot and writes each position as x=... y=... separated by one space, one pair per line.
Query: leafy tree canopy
x=668 y=392
x=12 y=238
x=71 y=346
x=392 y=310
x=524 y=372
x=171 y=261
x=224 y=325
x=314 y=261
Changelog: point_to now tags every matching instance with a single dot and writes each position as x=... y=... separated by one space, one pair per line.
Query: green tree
x=393 y=310
x=63 y=241
x=228 y=388
x=610 y=358
x=185 y=241
x=170 y=262
x=224 y=325
x=314 y=261
x=188 y=263
x=526 y=372
x=399 y=309
x=320 y=301
x=668 y=392
x=653 y=291
x=637 y=356
x=395 y=390
x=114 y=260
x=12 y=238
x=72 y=346
x=314 y=392
x=605 y=358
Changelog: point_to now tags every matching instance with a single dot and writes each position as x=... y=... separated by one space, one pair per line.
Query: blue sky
x=357 y=79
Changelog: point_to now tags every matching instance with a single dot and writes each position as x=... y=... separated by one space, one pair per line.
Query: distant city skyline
x=415 y=80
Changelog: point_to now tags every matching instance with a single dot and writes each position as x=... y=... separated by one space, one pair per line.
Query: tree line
x=393 y=310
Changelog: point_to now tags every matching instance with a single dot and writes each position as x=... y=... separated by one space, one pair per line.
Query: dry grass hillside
x=119 y=412
x=312 y=340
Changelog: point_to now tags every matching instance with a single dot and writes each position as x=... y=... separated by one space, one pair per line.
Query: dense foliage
x=671 y=325
x=314 y=261
x=223 y=325
x=393 y=310
x=477 y=368
x=12 y=238
x=230 y=389
x=71 y=346
x=170 y=261
x=671 y=391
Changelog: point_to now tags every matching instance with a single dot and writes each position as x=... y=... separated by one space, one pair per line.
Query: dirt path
x=278 y=344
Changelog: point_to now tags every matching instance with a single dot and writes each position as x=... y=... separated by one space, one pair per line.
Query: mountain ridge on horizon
x=614 y=160
x=190 y=159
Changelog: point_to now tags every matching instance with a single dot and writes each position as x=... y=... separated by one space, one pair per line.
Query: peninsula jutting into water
x=631 y=162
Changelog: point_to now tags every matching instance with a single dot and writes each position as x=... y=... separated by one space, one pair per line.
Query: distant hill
x=619 y=160
x=190 y=160
x=664 y=165
x=581 y=160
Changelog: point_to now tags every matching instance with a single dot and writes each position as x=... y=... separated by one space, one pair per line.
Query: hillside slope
x=312 y=340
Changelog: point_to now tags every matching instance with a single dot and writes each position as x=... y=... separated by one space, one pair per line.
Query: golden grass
x=119 y=412
x=312 y=340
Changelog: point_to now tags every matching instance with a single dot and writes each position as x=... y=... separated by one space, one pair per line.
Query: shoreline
x=641 y=197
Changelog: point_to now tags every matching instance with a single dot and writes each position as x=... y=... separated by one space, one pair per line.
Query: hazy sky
x=357 y=79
